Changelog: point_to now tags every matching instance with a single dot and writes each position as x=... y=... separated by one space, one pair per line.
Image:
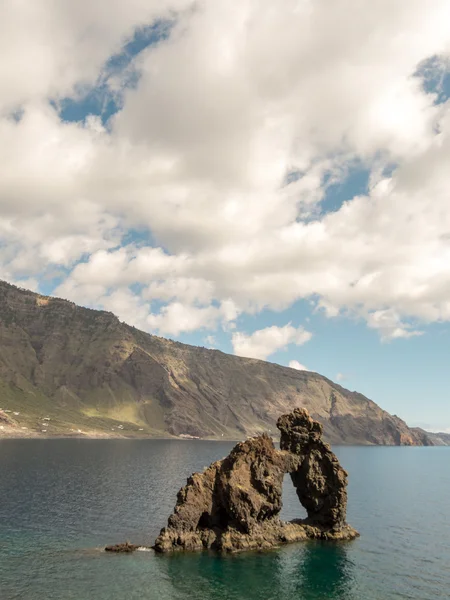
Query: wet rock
x=125 y=547
x=235 y=503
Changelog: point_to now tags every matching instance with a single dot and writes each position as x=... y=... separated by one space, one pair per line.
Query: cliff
x=68 y=370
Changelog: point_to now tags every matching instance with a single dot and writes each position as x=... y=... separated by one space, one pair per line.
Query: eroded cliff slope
x=65 y=368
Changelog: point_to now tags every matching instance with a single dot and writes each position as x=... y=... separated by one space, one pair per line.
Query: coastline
x=11 y=433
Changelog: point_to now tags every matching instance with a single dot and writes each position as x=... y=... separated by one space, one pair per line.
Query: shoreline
x=13 y=434
x=97 y=435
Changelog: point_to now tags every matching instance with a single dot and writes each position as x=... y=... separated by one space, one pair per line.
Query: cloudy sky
x=267 y=178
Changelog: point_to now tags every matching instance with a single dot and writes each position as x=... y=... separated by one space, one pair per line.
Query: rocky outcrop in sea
x=235 y=503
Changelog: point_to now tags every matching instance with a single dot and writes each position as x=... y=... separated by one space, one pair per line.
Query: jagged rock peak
x=235 y=503
x=319 y=479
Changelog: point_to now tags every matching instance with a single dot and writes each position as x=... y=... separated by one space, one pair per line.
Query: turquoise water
x=62 y=500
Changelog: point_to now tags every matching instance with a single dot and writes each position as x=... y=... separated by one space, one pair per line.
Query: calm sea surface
x=62 y=500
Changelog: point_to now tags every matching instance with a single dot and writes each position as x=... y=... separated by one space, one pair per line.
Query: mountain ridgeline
x=68 y=370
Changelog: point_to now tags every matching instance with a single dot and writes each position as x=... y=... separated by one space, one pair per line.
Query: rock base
x=266 y=535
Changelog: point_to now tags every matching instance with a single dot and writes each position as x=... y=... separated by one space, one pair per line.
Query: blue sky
x=288 y=203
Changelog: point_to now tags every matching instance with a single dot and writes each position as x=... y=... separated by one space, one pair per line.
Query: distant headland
x=68 y=371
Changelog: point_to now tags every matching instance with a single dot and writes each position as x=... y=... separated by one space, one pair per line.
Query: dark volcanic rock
x=235 y=503
x=319 y=479
x=125 y=547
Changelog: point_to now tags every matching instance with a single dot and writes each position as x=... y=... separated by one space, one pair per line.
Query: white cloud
x=388 y=323
x=128 y=265
x=294 y=364
x=264 y=342
x=127 y=306
x=340 y=377
x=210 y=341
x=186 y=289
x=68 y=42
x=435 y=429
x=176 y=318
x=199 y=154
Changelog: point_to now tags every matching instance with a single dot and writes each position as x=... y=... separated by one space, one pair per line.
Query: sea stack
x=235 y=503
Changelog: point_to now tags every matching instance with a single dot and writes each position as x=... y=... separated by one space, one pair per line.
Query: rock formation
x=319 y=479
x=124 y=548
x=235 y=503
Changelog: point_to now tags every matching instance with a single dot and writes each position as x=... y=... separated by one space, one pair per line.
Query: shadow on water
x=326 y=572
x=310 y=571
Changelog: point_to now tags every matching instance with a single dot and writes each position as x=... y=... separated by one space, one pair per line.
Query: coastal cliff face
x=68 y=370
x=235 y=503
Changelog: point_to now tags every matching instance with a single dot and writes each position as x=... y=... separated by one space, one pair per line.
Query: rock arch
x=235 y=503
x=318 y=478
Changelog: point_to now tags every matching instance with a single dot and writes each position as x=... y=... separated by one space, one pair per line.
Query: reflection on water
x=325 y=572
x=310 y=571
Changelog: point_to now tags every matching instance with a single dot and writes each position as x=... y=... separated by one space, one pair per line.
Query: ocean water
x=61 y=501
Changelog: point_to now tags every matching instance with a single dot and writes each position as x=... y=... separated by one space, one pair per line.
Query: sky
x=268 y=179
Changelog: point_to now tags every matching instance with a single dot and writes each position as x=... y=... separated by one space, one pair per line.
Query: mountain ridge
x=68 y=370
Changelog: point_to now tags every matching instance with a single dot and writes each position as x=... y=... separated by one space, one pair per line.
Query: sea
x=63 y=500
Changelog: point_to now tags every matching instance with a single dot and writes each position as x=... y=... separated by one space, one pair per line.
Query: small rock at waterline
x=124 y=547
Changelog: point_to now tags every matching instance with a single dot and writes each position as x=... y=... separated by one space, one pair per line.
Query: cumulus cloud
x=186 y=289
x=127 y=306
x=221 y=153
x=294 y=364
x=70 y=42
x=176 y=318
x=210 y=341
x=264 y=342
x=389 y=325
